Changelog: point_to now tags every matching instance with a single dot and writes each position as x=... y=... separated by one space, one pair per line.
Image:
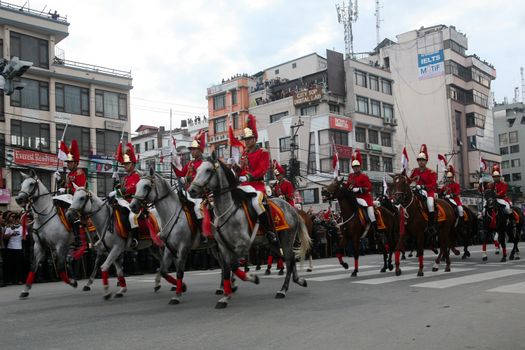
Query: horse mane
x=230 y=177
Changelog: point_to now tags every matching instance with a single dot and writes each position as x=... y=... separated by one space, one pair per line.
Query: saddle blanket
x=379 y=218
x=442 y=216
x=122 y=230
x=277 y=214
x=62 y=215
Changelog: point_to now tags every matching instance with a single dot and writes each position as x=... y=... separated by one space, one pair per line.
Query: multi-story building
x=441 y=97
x=92 y=101
x=509 y=125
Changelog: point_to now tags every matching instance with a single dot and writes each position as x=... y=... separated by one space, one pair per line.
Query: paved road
x=476 y=306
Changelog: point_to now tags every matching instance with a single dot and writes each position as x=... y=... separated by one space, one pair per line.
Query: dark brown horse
x=414 y=212
x=353 y=227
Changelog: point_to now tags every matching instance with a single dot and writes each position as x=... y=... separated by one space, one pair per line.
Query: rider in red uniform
x=501 y=188
x=283 y=188
x=359 y=183
x=451 y=190
x=426 y=184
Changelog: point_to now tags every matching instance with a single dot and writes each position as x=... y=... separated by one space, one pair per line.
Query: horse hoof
x=256 y=279
x=86 y=289
x=354 y=274
x=118 y=295
x=383 y=269
x=280 y=295
x=517 y=258
x=468 y=253
x=410 y=255
x=74 y=284
x=511 y=257
x=390 y=267
x=174 y=301
x=398 y=273
x=503 y=259
x=184 y=287
x=404 y=257
x=484 y=258
x=455 y=251
x=156 y=288
x=345 y=265
x=173 y=289
x=24 y=295
x=420 y=274
x=108 y=296
x=281 y=272
x=302 y=282
x=257 y=268
x=447 y=269
x=496 y=252
x=234 y=289
x=221 y=305
x=219 y=292
x=267 y=272
x=434 y=269
x=309 y=270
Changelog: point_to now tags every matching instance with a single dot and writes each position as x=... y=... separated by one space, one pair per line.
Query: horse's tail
x=304 y=239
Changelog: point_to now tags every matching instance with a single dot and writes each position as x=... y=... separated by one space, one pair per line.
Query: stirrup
x=134 y=243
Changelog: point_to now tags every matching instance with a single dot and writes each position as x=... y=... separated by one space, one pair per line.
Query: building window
x=516 y=177
x=2 y=109
x=137 y=148
x=82 y=135
x=375 y=164
x=514 y=149
x=475 y=120
x=328 y=137
x=452 y=67
x=108 y=140
x=472 y=143
x=2 y=151
x=360 y=134
x=386 y=86
x=221 y=150
x=503 y=139
x=276 y=71
x=310 y=110
x=34 y=95
x=506 y=177
x=31 y=49
x=149 y=145
x=219 y=125
x=374 y=82
x=503 y=150
x=71 y=99
x=388 y=112
x=373 y=136
x=479 y=98
x=284 y=144
x=364 y=163
x=362 y=104
x=44 y=176
x=277 y=116
x=294 y=65
x=513 y=136
x=111 y=105
x=360 y=78
x=480 y=77
x=234 y=97
x=310 y=196
x=515 y=163
x=505 y=164
x=235 y=121
x=30 y=135
x=219 y=102
x=333 y=108
x=104 y=184
x=375 y=108
x=387 y=165
x=386 y=139
x=454 y=46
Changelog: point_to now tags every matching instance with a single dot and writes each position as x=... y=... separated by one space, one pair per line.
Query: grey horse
x=153 y=190
x=48 y=230
x=85 y=204
x=232 y=228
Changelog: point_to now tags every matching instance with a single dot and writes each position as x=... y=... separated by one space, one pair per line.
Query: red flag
x=482 y=163
x=442 y=161
x=236 y=146
x=335 y=162
x=404 y=159
x=62 y=150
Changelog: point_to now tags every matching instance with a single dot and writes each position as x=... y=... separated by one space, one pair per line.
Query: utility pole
x=293 y=164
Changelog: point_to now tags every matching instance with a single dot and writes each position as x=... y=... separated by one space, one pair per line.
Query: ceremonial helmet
x=199 y=141
x=128 y=156
x=251 y=128
x=450 y=171
x=277 y=168
x=496 y=170
x=357 y=159
x=423 y=153
x=73 y=155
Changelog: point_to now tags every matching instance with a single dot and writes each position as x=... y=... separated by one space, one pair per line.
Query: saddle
x=363 y=218
x=61 y=212
x=146 y=223
x=438 y=208
x=279 y=220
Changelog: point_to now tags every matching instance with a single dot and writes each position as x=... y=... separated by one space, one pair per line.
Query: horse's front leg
x=38 y=257
x=120 y=276
x=62 y=251
x=356 y=242
x=113 y=255
x=384 y=249
x=226 y=282
x=420 y=242
x=96 y=265
x=180 y=264
x=340 y=250
x=503 y=244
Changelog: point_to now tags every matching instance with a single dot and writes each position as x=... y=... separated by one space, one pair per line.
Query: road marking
x=517 y=288
x=479 y=277
x=375 y=281
x=306 y=274
x=347 y=275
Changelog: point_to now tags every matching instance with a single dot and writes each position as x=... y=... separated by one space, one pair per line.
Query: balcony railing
x=90 y=67
x=54 y=16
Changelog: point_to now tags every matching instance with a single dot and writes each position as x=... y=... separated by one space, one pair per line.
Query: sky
x=175 y=49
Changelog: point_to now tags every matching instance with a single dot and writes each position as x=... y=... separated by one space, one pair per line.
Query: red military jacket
x=285 y=188
x=130 y=185
x=254 y=165
x=77 y=177
x=500 y=188
x=189 y=171
x=361 y=180
x=427 y=178
x=453 y=190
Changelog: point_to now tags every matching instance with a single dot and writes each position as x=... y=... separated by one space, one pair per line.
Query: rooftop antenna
x=522 y=85
x=516 y=95
x=346 y=15
x=378 y=21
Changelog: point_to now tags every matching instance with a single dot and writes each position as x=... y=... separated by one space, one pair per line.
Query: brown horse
x=353 y=227
x=414 y=212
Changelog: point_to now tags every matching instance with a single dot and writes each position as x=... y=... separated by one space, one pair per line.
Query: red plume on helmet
x=199 y=141
x=73 y=154
x=423 y=152
x=357 y=159
x=251 y=127
x=120 y=156
x=277 y=168
x=496 y=170
x=130 y=152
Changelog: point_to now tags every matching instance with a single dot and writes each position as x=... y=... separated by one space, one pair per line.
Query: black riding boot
x=134 y=234
x=77 y=242
x=268 y=227
x=432 y=223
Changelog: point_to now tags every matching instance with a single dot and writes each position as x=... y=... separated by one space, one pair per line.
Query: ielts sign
x=340 y=123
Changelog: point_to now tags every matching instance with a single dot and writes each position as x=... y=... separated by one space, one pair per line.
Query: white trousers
x=133 y=218
x=197 y=206
x=257 y=201
x=430 y=201
x=506 y=204
x=369 y=209
x=460 y=207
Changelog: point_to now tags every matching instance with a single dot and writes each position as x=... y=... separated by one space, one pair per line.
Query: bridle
x=152 y=186
x=204 y=186
x=404 y=198
x=89 y=197
x=31 y=196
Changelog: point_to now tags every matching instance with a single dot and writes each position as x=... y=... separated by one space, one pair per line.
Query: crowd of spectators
x=233 y=77
x=284 y=93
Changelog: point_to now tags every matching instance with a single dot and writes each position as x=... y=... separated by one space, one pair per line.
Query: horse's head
x=30 y=188
x=334 y=189
x=81 y=204
x=147 y=192
x=401 y=189
x=208 y=177
x=490 y=198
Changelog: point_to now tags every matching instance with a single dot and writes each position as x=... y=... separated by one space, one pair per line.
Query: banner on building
x=101 y=164
x=34 y=159
x=344 y=152
x=307 y=96
x=340 y=123
x=431 y=65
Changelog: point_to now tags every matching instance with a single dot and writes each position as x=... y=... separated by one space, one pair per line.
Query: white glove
x=356 y=189
x=112 y=194
x=62 y=190
x=115 y=175
x=418 y=187
x=57 y=176
x=183 y=180
x=481 y=180
x=447 y=196
x=243 y=178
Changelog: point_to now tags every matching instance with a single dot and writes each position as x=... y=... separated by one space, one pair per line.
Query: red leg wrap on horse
x=356 y=264
x=484 y=247
x=397 y=255
x=280 y=264
x=241 y=274
x=121 y=281
x=420 y=258
x=30 y=278
x=496 y=243
x=179 y=286
x=227 y=287
x=105 y=278
x=339 y=257
x=387 y=248
x=504 y=251
x=270 y=261
x=170 y=279
x=64 y=277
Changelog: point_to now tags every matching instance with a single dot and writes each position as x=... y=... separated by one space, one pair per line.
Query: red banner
x=344 y=151
x=34 y=159
x=340 y=123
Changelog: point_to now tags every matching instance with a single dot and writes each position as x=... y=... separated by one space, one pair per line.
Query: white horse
x=232 y=228
x=153 y=190
x=48 y=230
